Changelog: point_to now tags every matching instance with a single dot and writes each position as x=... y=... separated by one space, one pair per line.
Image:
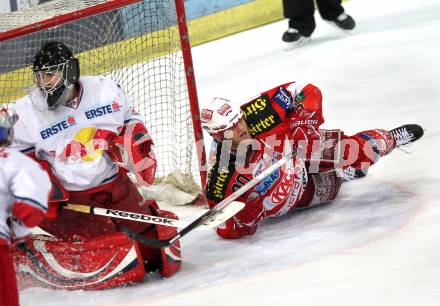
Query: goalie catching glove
x=132 y=150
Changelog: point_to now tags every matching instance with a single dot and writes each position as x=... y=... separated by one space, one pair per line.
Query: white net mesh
x=138 y=46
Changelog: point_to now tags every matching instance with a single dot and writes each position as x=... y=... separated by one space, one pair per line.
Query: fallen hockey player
x=282 y=120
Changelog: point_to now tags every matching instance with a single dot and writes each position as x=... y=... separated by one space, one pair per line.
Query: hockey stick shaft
x=125 y=215
x=211 y=212
x=233 y=208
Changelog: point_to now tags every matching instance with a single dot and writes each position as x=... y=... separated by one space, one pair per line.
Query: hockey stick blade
x=211 y=213
x=224 y=214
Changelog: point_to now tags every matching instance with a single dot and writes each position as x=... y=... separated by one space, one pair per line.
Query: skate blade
x=293 y=45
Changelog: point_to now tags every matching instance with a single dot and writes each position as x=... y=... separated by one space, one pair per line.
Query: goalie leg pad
x=99 y=263
x=167 y=260
x=70 y=225
x=171 y=255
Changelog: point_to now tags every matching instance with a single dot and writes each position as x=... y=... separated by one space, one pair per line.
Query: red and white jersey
x=292 y=107
x=279 y=192
x=21 y=180
x=291 y=112
x=64 y=136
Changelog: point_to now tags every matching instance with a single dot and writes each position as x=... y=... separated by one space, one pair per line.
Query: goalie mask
x=6 y=131
x=220 y=115
x=56 y=71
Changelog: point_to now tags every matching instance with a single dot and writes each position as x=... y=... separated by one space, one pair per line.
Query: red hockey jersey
x=277 y=120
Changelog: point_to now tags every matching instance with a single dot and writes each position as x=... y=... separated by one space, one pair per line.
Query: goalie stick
x=132 y=216
x=212 y=214
x=113 y=213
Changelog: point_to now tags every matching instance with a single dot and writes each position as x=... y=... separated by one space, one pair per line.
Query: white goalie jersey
x=64 y=136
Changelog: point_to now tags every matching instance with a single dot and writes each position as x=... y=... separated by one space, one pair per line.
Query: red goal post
x=142 y=45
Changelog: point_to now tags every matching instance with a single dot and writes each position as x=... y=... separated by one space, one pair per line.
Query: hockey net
x=135 y=43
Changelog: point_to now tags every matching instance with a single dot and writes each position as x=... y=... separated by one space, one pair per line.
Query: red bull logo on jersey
x=57 y=127
x=103 y=110
x=82 y=147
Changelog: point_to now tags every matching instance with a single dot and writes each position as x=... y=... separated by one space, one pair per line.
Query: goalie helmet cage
x=141 y=45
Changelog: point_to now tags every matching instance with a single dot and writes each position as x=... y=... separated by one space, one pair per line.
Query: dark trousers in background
x=300 y=13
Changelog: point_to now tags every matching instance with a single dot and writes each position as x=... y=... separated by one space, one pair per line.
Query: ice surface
x=379 y=242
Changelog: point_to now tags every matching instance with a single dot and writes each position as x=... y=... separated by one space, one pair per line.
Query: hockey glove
x=132 y=149
x=28 y=215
